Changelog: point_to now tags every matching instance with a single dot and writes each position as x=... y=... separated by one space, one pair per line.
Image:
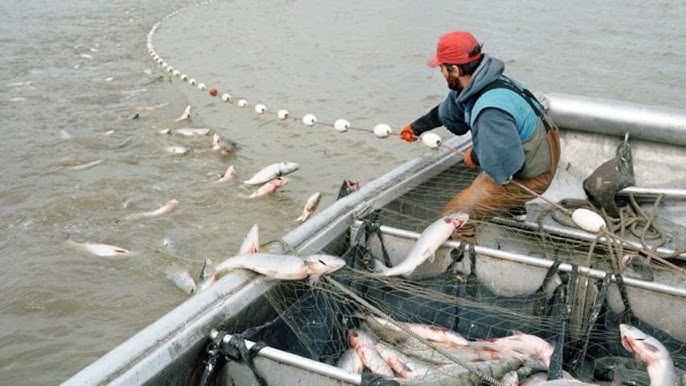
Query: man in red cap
x=512 y=136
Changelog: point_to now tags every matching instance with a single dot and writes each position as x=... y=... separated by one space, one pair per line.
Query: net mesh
x=577 y=315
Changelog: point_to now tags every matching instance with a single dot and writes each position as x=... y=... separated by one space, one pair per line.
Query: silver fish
x=229 y=174
x=653 y=353
x=284 y=267
x=404 y=365
x=184 y=278
x=427 y=244
x=181 y=150
x=192 y=132
x=99 y=249
x=251 y=241
x=186 y=114
x=350 y=361
x=438 y=334
x=271 y=172
x=526 y=344
x=365 y=345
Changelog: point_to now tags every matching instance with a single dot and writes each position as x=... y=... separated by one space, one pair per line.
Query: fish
x=417 y=349
x=228 y=175
x=271 y=172
x=223 y=146
x=251 y=241
x=404 y=365
x=186 y=116
x=527 y=345
x=184 y=278
x=169 y=207
x=181 y=150
x=192 y=132
x=350 y=361
x=284 y=267
x=207 y=276
x=347 y=187
x=310 y=207
x=87 y=165
x=99 y=249
x=269 y=187
x=438 y=334
x=654 y=354
x=365 y=346
x=428 y=242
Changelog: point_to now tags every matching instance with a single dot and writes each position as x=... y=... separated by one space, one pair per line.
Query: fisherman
x=512 y=136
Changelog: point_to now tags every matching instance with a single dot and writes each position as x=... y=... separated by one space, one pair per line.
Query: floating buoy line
x=341 y=125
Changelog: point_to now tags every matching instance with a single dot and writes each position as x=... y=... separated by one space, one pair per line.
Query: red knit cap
x=455 y=48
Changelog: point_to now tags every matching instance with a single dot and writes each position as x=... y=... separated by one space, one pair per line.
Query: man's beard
x=454 y=84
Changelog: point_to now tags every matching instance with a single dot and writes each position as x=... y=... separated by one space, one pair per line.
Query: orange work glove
x=407 y=134
x=470 y=158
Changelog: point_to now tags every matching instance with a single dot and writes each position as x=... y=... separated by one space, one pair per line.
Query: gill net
x=482 y=299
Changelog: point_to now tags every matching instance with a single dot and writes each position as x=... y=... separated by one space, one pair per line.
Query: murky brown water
x=73 y=72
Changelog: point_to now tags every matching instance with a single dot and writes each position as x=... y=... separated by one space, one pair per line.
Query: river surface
x=74 y=75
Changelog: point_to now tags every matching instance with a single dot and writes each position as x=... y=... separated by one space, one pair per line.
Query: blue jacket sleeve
x=497 y=144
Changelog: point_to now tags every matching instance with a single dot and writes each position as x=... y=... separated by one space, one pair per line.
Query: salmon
x=284 y=267
x=365 y=346
x=169 y=207
x=269 y=187
x=251 y=241
x=654 y=354
x=310 y=207
x=99 y=249
x=271 y=172
x=425 y=248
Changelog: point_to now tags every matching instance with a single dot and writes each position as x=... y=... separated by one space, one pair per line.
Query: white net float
x=309 y=119
x=242 y=103
x=282 y=114
x=184 y=77
x=588 y=220
x=201 y=86
x=176 y=73
x=341 y=125
x=192 y=81
x=164 y=64
x=382 y=130
x=260 y=108
x=431 y=140
x=226 y=97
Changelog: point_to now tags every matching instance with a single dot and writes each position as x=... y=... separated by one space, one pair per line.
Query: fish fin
x=313 y=280
x=302 y=218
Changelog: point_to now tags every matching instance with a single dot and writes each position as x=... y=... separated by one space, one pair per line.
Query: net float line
x=340 y=125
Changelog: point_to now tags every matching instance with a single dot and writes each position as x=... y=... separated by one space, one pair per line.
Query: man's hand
x=470 y=158
x=407 y=134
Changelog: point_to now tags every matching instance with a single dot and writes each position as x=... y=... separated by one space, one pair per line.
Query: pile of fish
x=443 y=357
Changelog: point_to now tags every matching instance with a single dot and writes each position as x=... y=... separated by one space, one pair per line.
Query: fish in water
x=86 y=165
x=222 y=146
x=271 y=172
x=251 y=241
x=169 y=207
x=425 y=248
x=310 y=207
x=284 y=267
x=654 y=354
x=269 y=187
x=181 y=150
x=192 y=132
x=228 y=175
x=98 y=249
x=186 y=116
x=365 y=345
